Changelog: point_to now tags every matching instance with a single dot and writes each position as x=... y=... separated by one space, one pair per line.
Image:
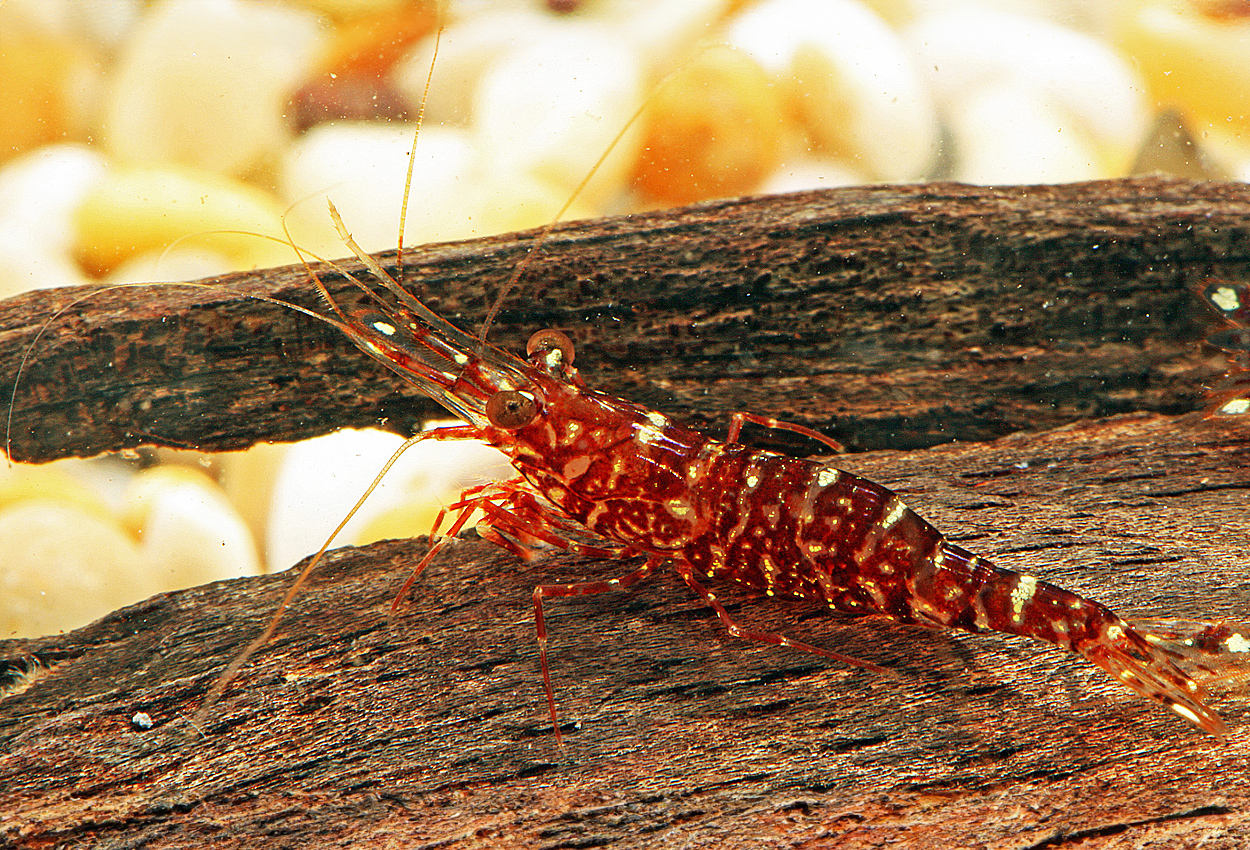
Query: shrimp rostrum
x=591 y=467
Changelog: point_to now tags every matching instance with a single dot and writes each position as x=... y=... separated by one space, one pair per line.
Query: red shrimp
x=594 y=466
x=600 y=476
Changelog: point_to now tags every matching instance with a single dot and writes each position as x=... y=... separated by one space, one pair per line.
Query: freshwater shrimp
x=590 y=465
x=601 y=476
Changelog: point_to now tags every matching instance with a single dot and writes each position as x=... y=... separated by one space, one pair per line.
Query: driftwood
x=434 y=733
x=889 y=317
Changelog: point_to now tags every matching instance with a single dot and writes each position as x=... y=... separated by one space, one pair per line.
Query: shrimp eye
x=551 y=343
x=511 y=409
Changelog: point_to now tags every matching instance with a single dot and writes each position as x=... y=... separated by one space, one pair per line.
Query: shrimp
x=600 y=476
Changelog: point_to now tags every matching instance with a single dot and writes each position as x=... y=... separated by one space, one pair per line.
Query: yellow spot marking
x=572 y=430
x=1020 y=596
x=679 y=509
x=828 y=476
x=752 y=480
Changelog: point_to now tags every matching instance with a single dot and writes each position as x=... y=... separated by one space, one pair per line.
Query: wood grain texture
x=434 y=733
x=344 y=733
x=888 y=317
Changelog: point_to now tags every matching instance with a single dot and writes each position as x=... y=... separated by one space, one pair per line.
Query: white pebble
x=322 y=478
x=206 y=82
x=661 y=29
x=360 y=167
x=466 y=49
x=170 y=265
x=801 y=174
x=63 y=566
x=38 y=194
x=1063 y=105
x=1005 y=136
x=551 y=108
x=190 y=534
x=854 y=84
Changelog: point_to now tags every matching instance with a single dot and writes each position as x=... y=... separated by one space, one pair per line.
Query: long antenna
x=412 y=152
x=546 y=232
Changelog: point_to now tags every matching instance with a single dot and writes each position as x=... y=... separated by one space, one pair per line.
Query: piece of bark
x=892 y=316
x=434 y=733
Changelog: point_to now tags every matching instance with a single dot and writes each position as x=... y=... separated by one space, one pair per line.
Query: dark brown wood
x=434 y=733
x=893 y=316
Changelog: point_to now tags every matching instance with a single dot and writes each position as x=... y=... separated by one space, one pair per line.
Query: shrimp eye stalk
x=511 y=409
x=552 y=349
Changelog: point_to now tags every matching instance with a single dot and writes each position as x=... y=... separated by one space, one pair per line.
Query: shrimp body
x=587 y=461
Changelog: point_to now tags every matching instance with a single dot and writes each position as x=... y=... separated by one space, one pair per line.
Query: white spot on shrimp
x=659 y=420
x=1115 y=633
x=384 y=328
x=1236 y=407
x=648 y=434
x=1224 y=297
x=1237 y=643
x=874 y=590
x=828 y=476
x=752 y=480
x=893 y=513
x=1186 y=713
x=461 y=358
x=1021 y=594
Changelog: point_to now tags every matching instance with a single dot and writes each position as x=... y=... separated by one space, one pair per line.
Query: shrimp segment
x=592 y=463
